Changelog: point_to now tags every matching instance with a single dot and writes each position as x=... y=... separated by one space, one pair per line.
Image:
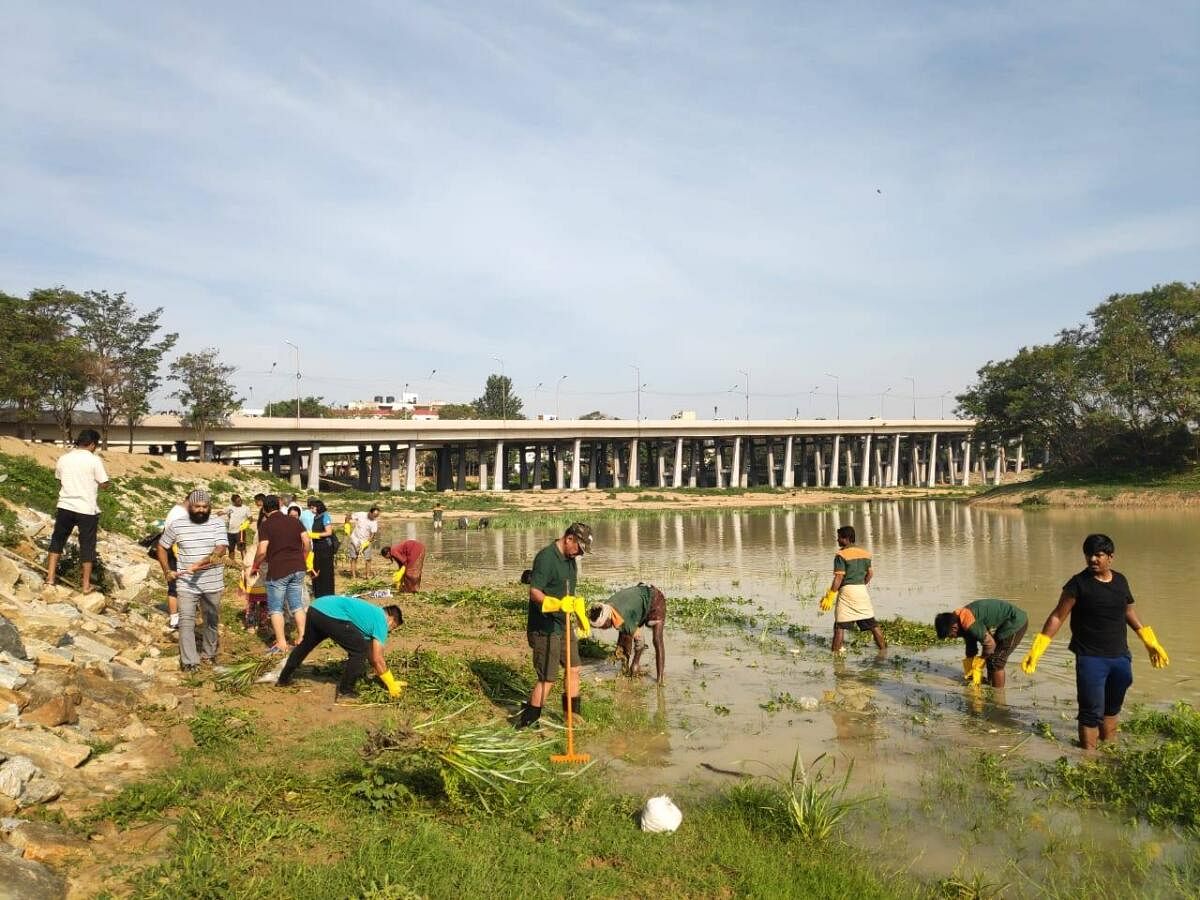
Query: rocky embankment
x=78 y=675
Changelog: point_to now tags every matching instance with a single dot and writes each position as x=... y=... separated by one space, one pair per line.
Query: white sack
x=660 y=815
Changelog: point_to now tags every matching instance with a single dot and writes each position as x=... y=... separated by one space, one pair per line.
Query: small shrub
x=215 y=726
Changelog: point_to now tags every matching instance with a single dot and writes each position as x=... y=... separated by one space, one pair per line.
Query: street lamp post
x=881 y=396
x=837 y=393
x=297 y=349
x=942 y=405
x=914 y=392
x=537 y=387
x=747 y=374
x=504 y=387
x=557 y=413
x=638 y=372
x=814 y=390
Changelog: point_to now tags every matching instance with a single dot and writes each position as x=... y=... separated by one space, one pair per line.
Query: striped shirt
x=194 y=543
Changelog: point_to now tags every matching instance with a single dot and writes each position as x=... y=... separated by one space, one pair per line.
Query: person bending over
x=995 y=625
x=628 y=611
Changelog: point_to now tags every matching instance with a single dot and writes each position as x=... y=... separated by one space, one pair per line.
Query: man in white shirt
x=364 y=527
x=178 y=513
x=80 y=474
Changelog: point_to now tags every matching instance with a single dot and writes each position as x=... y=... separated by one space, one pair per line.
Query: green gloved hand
x=828 y=600
x=551 y=604
x=975 y=676
x=394 y=685
x=1158 y=654
x=1029 y=663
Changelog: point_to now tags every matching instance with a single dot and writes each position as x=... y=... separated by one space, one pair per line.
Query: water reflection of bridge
x=592 y=455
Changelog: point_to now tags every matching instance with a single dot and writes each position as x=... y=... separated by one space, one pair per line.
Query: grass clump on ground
x=1154 y=773
x=907 y=633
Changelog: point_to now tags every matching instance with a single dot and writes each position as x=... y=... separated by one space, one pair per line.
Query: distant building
x=547 y=417
x=251 y=413
x=685 y=415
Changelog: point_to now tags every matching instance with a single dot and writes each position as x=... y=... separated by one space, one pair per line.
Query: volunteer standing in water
x=1100 y=605
x=852 y=572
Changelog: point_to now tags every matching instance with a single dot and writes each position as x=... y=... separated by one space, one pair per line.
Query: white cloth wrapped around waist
x=853 y=603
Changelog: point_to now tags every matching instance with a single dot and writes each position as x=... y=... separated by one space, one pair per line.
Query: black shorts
x=860 y=624
x=235 y=540
x=550 y=654
x=66 y=521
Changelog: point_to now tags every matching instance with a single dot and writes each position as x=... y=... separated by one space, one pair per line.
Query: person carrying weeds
x=409 y=557
x=201 y=545
x=1100 y=605
x=552 y=583
x=995 y=625
x=358 y=627
x=628 y=611
x=852 y=572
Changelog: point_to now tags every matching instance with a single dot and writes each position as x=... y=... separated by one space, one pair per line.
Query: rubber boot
x=529 y=715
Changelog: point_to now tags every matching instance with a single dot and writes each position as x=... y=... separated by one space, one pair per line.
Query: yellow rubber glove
x=976 y=676
x=967 y=667
x=552 y=604
x=828 y=600
x=316 y=535
x=398 y=578
x=1158 y=654
x=245 y=526
x=308 y=561
x=347 y=528
x=582 y=626
x=395 y=686
x=1029 y=663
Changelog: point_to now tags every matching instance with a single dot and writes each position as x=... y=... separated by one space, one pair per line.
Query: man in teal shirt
x=358 y=627
x=553 y=578
x=995 y=625
x=627 y=611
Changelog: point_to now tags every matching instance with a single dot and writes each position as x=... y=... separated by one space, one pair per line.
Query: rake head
x=568 y=759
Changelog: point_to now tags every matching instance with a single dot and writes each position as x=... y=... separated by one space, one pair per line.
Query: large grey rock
x=132 y=576
x=10 y=678
x=10 y=639
x=93 y=603
x=44 y=747
x=39 y=790
x=87 y=648
x=15 y=773
x=24 y=879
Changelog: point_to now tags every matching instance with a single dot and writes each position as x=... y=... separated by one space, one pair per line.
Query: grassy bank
x=1179 y=486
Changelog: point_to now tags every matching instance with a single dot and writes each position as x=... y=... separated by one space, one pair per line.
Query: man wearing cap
x=200 y=546
x=409 y=557
x=628 y=611
x=553 y=578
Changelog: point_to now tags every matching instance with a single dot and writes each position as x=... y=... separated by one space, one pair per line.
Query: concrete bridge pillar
x=461 y=473
x=522 y=467
x=932 y=461
x=864 y=476
x=559 y=468
x=594 y=465
x=880 y=480
x=181 y=451
x=818 y=465
x=718 y=464
x=265 y=456
x=735 y=464
x=677 y=469
x=848 y=453
x=537 y=467
x=966 y=462
x=314 y=469
x=834 y=481
x=635 y=467
x=483 y=470
x=749 y=469
x=376 y=468
x=294 y=465
x=501 y=469
x=393 y=467
x=410 y=469
x=771 y=479
x=576 y=454
x=362 y=467
x=914 y=469
x=894 y=469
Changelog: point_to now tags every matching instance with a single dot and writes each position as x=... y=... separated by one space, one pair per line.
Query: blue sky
x=877 y=191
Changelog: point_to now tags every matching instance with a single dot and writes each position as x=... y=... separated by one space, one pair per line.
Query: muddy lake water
x=734 y=701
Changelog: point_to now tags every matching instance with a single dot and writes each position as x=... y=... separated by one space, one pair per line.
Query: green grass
x=1154 y=773
x=907 y=633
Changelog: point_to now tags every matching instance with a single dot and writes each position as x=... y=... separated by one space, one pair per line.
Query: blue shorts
x=1101 y=683
x=287 y=591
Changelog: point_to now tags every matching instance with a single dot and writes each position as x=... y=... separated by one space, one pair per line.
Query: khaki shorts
x=550 y=654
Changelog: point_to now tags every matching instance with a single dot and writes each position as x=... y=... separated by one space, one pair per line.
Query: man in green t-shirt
x=996 y=625
x=553 y=577
x=627 y=611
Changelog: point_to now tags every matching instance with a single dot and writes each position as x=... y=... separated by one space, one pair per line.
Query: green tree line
x=1120 y=391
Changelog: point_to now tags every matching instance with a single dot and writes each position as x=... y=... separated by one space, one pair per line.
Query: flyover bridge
x=388 y=454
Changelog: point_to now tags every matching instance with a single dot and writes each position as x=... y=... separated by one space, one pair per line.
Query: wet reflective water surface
x=734 y=702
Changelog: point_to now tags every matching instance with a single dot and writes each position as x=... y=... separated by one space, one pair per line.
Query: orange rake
x=570 y=757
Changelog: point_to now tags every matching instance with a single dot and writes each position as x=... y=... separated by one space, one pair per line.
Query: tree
x=125 y=357
x=498 y=400
x=33 y=333
x=310 y=408
x=205 y=393
x=457 y=411
x=596 y=414
x=67 y=384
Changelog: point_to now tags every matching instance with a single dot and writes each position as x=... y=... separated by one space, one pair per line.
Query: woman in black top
x=323 y=550
x=1100 y=605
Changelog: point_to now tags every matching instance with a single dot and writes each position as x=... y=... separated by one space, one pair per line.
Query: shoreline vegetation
x=268 y=792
